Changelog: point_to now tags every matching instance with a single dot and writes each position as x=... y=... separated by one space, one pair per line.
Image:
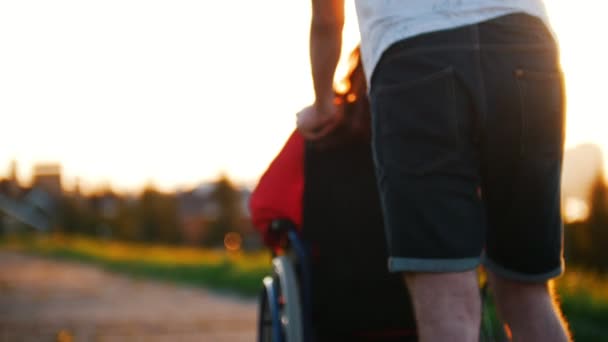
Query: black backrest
x=342 y=221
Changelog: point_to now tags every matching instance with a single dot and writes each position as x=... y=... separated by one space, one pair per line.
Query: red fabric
x=278 y=194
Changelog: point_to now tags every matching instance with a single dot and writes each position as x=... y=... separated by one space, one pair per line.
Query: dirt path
x=43 y=300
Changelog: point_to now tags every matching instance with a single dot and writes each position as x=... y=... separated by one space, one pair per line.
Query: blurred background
x=132 y=133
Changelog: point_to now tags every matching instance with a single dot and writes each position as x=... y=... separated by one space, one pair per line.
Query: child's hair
x=356 y=126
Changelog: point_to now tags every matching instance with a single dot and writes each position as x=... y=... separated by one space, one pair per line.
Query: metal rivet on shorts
x=519 y=73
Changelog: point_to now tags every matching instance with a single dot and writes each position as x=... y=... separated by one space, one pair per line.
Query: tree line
x=586 y=240
x=152 y=216
x=156 y=216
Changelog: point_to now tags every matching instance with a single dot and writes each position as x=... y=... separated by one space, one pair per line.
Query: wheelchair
x=330 y=281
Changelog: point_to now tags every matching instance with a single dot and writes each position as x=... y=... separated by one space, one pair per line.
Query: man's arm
x=325 y=46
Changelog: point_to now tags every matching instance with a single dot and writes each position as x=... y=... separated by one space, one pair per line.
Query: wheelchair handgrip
x=281 y=235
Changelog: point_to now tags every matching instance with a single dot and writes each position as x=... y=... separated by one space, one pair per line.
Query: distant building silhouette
x=47 y=177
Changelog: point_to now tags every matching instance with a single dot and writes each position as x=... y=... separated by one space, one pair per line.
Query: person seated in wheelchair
x=327 y=189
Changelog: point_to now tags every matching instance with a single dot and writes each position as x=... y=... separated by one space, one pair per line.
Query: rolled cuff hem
x=523 y=277
x=397 y=264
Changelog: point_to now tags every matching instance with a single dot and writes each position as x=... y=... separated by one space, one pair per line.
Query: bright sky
x=175 y=92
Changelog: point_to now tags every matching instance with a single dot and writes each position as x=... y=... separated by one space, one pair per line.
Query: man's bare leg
x=529 y=310
x=447 y=305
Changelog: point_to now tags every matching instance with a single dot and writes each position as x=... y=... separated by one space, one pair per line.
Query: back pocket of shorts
x=542 y=112
x=416 y=125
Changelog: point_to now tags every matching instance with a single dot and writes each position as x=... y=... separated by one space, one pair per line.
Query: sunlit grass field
x=583 y=295
x=234 y=272
x=583 y=298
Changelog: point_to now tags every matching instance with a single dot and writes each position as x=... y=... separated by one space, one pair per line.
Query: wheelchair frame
x=285 y=306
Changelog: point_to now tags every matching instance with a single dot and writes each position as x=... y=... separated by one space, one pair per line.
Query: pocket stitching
x=409 y=84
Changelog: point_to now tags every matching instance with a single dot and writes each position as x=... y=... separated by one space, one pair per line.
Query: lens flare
x=233 y=241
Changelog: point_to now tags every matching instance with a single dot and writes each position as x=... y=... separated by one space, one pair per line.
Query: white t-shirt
x=384 y=22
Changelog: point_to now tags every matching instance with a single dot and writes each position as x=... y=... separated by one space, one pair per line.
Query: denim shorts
x=468 y=132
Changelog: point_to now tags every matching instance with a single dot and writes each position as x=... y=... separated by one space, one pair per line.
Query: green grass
x=583 y=299
x=587 y=316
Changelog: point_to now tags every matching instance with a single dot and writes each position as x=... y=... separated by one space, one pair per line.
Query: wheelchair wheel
x=269 y=322
x=280 y=316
